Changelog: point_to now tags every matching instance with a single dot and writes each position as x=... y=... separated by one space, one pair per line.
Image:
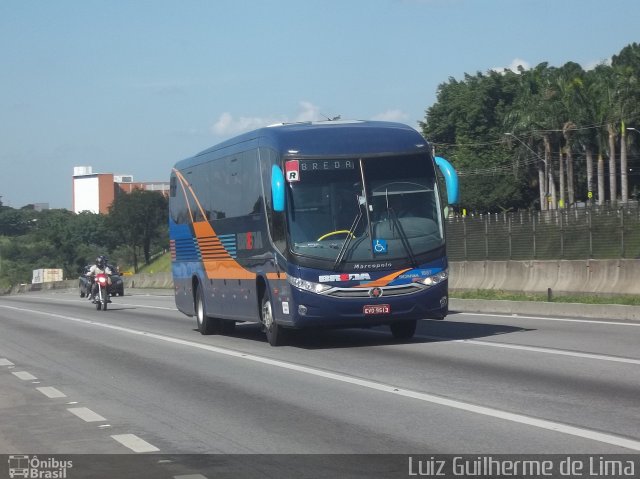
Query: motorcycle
x=101 y=298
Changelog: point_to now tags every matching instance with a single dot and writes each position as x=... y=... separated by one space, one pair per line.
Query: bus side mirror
x=451 y=180
x=277 y=188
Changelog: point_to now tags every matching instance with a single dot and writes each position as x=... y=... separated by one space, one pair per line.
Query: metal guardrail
x=595 y=232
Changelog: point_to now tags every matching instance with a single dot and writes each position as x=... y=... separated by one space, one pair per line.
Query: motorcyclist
x=100 y=266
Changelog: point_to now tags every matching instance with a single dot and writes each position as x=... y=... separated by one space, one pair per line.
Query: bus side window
x=177 y=203
x=200 y=187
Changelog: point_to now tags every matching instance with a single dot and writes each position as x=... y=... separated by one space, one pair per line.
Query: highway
x=138 y=379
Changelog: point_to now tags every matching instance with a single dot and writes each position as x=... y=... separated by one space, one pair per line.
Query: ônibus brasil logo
x=328 y=278
x=35 y=468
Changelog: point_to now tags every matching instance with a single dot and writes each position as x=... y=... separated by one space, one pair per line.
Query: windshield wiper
x=345 y=244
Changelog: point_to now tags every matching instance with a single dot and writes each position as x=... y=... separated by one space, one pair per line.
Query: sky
x=132 y=86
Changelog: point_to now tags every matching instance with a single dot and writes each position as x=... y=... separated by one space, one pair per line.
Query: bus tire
x=404 y=329
x=228 y=326
x=276 y=334
x=206 y=324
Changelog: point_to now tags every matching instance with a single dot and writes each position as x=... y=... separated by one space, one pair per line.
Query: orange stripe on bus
x=384 y=280
x=226 y=270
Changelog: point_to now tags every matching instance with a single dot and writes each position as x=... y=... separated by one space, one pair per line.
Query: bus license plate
x=377 y=309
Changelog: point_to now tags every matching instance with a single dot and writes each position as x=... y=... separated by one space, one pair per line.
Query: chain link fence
x=594 y=232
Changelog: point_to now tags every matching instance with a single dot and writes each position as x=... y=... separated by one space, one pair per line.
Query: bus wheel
x=403 y=329
x=276 y=335
x=206 y=325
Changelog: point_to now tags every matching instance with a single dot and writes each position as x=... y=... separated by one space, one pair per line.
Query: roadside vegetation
x=543 y=138
x=556 y=298
x=159 y=264
x=135 y=229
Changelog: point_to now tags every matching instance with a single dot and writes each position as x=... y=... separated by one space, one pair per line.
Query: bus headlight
x=436 y=278
x=305 y=285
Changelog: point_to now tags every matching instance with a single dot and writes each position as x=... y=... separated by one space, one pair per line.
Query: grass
x=162 y=264
x=564 y=298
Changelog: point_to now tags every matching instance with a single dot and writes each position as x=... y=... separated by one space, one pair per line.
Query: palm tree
x=587 y=137
x=613 y=191
x=567 y=130
x=601 y=94
x=601 y=186
x=624 y=180
x=626 y=68
x=529 y=117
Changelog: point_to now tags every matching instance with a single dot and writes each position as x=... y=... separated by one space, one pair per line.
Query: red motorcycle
x=101 y=297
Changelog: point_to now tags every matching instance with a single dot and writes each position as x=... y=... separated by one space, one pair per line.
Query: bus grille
x=364 y=292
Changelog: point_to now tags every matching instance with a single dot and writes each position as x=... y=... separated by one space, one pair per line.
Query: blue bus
x=311 y=225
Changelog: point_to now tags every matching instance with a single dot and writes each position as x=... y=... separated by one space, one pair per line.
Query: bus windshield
x=365 y=209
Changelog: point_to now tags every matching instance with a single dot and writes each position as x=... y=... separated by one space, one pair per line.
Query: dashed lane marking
x=5 y=362
x=52 y=392
x=24 y=375
x=86 y=414
x=135 y=443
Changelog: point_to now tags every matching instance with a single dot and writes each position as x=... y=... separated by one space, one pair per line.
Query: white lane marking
x=563 y=320
x=86 y=414
x=5 y=362
x=561 y=352
x=84 y=300
x=430 y=398
x=134 y=443
x=52 y=392
x=24 y=375
x=145 y=306
x=190 y=476
x=535 y=349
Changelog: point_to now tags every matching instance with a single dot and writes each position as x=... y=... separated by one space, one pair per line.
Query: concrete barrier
x=606 y=277
x=593 y=277
x=149 y=280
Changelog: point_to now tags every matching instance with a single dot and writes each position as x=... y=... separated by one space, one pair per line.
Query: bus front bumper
x=309 y=310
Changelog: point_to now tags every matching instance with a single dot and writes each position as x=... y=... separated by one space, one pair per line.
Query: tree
x=137 y=218
x=529 y=116
x=463 y=126
x=626 y=71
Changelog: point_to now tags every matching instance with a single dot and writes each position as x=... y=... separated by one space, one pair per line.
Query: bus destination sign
x=294 y=169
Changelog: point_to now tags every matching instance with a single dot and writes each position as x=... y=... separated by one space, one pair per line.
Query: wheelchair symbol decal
x=380 y=246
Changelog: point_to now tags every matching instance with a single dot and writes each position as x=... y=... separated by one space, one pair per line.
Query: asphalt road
x=139 y=379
